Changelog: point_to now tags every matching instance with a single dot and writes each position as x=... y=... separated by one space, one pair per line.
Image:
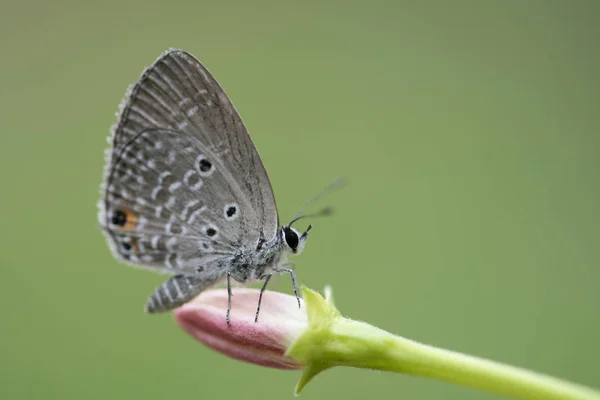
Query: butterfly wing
x=184 y=184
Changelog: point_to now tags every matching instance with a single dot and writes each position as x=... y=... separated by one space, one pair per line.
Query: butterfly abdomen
x=176 y=291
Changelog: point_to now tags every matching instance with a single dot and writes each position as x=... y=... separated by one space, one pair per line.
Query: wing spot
x=171 y=202
x=210 y=231
x=171 y=243
x=231 y=212
x=187 y=208
x=171 y=157
x=185 y=102
x=172 y=227
x=125 y=219
x=128 y=247
x=141 y=223
x=119 y=218
x=192 y=111
x=192 y=180
x=162 y=176
x=195 y=214
x=155 y=192
x=170 y=259
x=174 y=186
x=206 y=246
x=205 y=167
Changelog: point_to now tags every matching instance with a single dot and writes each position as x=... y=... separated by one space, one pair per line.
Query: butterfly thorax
x=267 y=257
x=252 y=265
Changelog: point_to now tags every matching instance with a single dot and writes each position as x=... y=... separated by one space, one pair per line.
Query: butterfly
x=185 y=191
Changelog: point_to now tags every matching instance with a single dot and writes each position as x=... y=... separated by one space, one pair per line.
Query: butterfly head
x=293 y=240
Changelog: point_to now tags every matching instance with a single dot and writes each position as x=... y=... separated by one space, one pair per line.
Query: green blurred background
x=469 y=132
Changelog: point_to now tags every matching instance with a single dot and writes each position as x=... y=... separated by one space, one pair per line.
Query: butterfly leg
x=266 y=278
x=176 y=291
x=228 y=298
x=293 y=276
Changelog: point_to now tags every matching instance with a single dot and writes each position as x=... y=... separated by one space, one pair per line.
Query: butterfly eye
x=291 y=238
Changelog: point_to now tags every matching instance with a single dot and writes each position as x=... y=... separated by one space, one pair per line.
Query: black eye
x=291 y=238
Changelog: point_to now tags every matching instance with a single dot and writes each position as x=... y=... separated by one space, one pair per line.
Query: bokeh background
x=468 y=132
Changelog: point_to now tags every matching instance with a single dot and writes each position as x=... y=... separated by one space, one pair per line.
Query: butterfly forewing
x=184 y=184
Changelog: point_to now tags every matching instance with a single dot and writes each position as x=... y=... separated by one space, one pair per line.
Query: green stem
x=331 y=340
x=378 y=349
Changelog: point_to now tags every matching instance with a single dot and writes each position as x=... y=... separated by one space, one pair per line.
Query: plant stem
x=378 y=349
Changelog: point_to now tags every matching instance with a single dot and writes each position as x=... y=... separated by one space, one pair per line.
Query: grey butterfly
x=185 y=191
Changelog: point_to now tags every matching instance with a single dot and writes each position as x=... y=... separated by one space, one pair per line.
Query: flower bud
x=263 y=343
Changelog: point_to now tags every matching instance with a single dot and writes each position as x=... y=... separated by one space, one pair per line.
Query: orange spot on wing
x=130 y=222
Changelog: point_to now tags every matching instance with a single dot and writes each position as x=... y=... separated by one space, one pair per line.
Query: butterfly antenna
x=338 y=183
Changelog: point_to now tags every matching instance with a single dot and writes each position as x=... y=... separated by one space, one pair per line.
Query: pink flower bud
x=263 y=343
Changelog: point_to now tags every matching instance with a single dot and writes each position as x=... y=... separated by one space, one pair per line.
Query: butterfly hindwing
x=184 y=184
